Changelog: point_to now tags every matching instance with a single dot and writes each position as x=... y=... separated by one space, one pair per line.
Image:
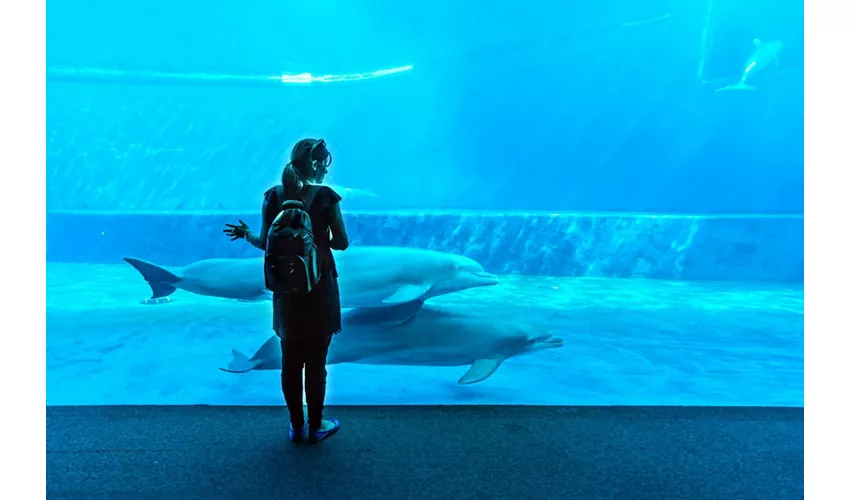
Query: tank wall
x=598 y=245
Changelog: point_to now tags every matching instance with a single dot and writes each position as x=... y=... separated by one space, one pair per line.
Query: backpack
x=291 y=262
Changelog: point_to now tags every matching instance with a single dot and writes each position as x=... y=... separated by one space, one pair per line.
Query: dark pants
x=309 y=356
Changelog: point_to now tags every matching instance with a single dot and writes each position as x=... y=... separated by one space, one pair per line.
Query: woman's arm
x=339 y=240
x=258 y=240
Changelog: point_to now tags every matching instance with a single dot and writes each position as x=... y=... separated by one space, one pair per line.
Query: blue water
x=527 y=139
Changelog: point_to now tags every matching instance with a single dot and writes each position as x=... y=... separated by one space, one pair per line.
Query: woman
x=306 y=323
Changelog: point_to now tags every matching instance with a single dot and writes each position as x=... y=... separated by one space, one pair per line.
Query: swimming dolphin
x=369 y=276
x=416 y=335
x=348 y=193
x=765 y=54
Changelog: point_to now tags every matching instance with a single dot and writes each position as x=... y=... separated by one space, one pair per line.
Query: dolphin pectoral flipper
x=264 y=296
x=160 y=280
x=480 y=370
x=384 y=316
x=259 y=298
x=407 y=293
x=239 y=364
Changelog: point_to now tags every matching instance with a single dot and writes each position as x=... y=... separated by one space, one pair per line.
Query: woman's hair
x=300 y=167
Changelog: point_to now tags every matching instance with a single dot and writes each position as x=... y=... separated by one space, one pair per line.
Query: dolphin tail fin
x=239 y=364
x=161 y=280
x=268 y=352
x=480 y=370
x=737 y=86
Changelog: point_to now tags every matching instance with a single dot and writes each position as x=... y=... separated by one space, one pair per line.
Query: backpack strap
x=278 y=191
x=308 y=195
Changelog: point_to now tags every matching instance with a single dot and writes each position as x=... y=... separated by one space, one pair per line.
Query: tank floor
x=627 y=342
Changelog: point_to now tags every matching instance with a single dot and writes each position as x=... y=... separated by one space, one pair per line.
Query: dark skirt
x=315 y=315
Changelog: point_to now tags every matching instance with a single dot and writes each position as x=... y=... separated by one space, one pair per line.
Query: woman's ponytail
x=292 y=183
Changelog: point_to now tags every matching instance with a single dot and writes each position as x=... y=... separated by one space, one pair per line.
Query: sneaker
x=296 y=435
x=328 y=428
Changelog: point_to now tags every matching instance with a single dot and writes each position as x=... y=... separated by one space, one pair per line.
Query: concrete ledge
x=504 y=452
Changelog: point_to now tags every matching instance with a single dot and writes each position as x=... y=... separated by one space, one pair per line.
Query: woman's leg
x=290 y=378
x=315 y=378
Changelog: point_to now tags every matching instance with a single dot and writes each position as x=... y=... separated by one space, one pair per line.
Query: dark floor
x=407 y=453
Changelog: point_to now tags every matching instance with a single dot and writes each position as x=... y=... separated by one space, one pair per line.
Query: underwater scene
x=563 y=204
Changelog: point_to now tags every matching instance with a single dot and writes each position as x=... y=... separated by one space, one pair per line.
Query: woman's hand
x=236 y=232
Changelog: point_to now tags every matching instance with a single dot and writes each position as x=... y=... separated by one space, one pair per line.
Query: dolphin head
x=460 y=273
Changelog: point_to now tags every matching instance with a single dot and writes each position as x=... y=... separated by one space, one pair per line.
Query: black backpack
x=291 y=263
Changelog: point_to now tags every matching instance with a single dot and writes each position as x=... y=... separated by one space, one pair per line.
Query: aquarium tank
x=567 y=203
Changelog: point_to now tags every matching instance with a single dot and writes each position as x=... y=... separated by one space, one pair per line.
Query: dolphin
x=349 y=193
x=414 y=334
x=765 y=54
x=370 y=276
